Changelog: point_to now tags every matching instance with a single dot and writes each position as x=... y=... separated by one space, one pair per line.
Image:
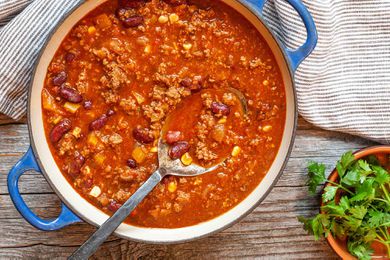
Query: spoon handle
x=111 y=224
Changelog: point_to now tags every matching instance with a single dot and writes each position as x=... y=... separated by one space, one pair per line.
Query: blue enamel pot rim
x=251 y=7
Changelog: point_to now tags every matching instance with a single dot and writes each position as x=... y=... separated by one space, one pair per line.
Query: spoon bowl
x=175 y=167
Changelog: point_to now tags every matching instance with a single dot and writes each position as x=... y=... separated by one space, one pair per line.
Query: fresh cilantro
x=376 y=218
x=357 y=207
x=316 y=175
x=351 y=178
x=361 y=250
x=329 y=193
x=345 y=161
x=382 y=176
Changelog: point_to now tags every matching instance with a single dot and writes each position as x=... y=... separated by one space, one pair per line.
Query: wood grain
x=271 y=231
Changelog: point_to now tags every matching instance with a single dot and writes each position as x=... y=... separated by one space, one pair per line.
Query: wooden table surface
x=271 y=231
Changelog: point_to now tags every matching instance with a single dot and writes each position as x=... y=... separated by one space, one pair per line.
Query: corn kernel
x=92 y=139
x=186 y=159
x=173 y=18
x=222 y=120
x=265 y=82
x=172 y=186
x=95 y=192
x=147 y=49
x=76 y=132
x=267 y=128
x=57 y=119
x=140 y=99
x=91 y=29
x=71 y=107
x=138 y=155
x=187 y=46
x=154 y=149
x=99 y=158
x=236 y=151
x=163 y=19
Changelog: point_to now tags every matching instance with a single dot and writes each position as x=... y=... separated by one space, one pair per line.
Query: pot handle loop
x=28 y=163
x=298 y=55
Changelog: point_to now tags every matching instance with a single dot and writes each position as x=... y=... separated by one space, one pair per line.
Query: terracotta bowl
x=338 y=245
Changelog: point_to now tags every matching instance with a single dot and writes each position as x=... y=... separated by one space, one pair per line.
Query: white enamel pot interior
x=93 y=215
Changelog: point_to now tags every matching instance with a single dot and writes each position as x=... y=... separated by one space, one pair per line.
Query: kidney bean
x=178 y=149
x=70 y=94
x=88 y=104
x=69 y=57
x=133 y=21
x=60 y=129
x=142 y=135
x=175 y=2
x=75 y=165
x=114 y=206
x=220 y=108
x=173 y=137
x=98 y=123
x=60 y=78
x=131 y=163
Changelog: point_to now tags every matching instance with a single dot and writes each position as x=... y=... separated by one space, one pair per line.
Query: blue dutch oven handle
x=28 y=163
x=296 y=56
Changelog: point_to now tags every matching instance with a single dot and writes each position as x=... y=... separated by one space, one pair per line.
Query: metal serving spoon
x=167 y=166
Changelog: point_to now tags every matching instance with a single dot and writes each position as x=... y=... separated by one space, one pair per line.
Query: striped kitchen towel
x=24 y=28
x=343 y=86
x=345 y=83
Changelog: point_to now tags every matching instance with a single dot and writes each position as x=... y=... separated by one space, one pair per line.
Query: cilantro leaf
x=316 y=173
x=351 y=178
x=365 y=191
x=359 y=197
x=360 y=250
x=376 y=218
x=358 y=212
x=354 y=219
x=329 y=193
x=317 y=226
x=332 y=208
x=382 y=176
x=346 y=160
x=364 y=165
x=344 y=203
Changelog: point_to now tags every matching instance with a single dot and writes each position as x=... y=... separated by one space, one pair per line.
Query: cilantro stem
x=383 y=233
x=340 y=186
x=388 y=249
x=386 y=193
x=385 y=201
x=385 y=225
x=383 y=242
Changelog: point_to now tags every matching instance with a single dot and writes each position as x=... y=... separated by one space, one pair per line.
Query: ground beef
x=204 y=153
